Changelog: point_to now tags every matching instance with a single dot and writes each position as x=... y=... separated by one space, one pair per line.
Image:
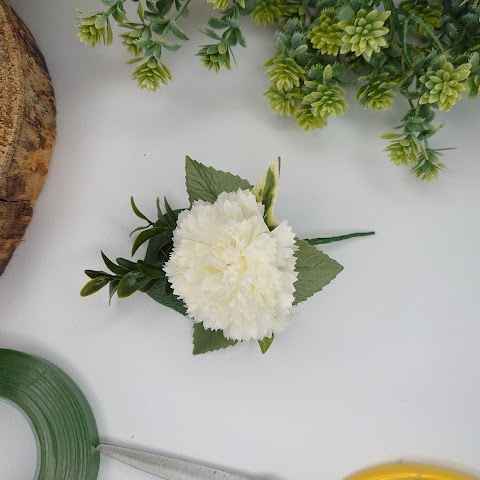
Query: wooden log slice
x=27 y=128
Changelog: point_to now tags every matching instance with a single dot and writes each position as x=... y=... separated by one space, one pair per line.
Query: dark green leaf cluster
x=127 y=277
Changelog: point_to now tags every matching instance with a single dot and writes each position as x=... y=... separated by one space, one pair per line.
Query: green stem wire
x=323 y=240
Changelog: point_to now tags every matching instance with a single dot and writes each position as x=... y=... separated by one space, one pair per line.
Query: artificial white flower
x=231 y=271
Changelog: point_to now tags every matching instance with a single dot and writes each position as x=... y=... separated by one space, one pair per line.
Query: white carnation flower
x=231 y=271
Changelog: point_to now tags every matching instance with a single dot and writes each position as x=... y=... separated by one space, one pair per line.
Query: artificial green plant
x=424 y=51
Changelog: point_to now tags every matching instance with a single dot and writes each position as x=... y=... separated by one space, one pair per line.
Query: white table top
x=381 y=366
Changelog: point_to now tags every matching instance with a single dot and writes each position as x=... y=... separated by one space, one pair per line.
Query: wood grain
x=27 y=128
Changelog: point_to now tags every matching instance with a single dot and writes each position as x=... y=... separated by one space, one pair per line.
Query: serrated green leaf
x=265 y=343
x=157 y=292
x=315 y=271
x=266 y=192
x=149 y=270
x=240 y=38
x=144 y=236
x=206 y=340
x=130 y=283
x=216 y=23
x=206 y=183
x=172 y=47
x=117 y=269
x=94 y=286
x=148 y=286
x=210 y=33
x=177 y=31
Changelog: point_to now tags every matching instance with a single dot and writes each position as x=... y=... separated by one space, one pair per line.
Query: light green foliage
x=150 y=74
x=367 y=33
x=377 y=93
x=325 y=101
x=403 y=150
x=308 y=121
x=219 y=4
x=429 y=12
x=94 y=29
x=285 y=103
x=444 y=84
x=285 y=74
x=266 y=12
x=266 y=190
x=327 y=33
x=425 y=51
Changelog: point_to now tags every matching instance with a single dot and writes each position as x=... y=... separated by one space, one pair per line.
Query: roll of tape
x=61 y=417
x=409 y=471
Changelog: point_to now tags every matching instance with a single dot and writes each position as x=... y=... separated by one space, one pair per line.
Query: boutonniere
x=225 y=262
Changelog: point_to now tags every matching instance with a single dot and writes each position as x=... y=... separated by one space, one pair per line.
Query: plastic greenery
x=314 y=270
x=425 y=51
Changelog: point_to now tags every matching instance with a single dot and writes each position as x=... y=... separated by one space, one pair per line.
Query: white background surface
x=381 y=366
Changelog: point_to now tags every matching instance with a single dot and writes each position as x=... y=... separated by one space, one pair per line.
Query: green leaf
x=130 y=283
x=266 y=191
x=177 y=31
x=148 y=286
x=127 y=264
x=141 y=13
x=94 y=286
x=157 y=292
x=206 y=183
x=137 y=212
x=172 y=216
x=210 y=33
x=206 y=340
x=216 y=23
x=323 y=240
x=116 y=269
x=112 y=290
x=96 y=273
x=315 y=270
x=222 y=47
x=149 y=270
x=265 y=343
x=146 y=235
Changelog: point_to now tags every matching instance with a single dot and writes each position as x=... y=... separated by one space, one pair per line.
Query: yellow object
x=409 y=471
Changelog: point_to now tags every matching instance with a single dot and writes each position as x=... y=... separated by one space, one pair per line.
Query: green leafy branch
x=128 y=277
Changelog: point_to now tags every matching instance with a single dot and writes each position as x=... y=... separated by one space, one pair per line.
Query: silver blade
x=165 y=467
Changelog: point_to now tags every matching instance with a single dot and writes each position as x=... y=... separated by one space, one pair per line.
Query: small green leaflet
x=206 y=183
x=266 y=191
x=206 y=340
x=265 y=343
x=315 y=270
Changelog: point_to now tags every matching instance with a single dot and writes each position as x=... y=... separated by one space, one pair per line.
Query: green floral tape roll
x=61 y=416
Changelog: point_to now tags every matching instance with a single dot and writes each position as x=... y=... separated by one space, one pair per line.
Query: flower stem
x=322 y=240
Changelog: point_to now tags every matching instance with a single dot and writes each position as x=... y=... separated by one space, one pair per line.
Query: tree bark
x=27 y=128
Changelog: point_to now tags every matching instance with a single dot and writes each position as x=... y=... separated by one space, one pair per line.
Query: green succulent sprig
x=425 y=51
